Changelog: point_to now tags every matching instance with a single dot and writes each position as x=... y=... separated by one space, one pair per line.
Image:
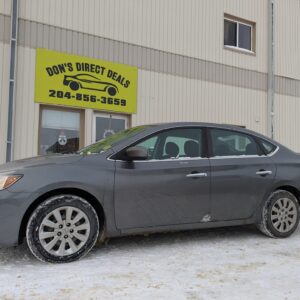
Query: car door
x=171 y=187
x=240 y=174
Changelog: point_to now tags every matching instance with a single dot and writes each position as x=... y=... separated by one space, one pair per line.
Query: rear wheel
x=280 y=215
x=62 y=229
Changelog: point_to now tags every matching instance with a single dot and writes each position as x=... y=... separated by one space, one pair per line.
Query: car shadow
x=212 y=236
x=21 y=254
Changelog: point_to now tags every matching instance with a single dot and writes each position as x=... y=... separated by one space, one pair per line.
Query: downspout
x=12 y=79
x=271 y=80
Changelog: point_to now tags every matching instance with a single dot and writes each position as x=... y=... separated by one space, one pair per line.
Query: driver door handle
x=196 y=175
x=264 y=172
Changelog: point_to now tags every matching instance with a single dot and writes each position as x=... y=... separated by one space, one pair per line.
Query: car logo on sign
x=89 y=82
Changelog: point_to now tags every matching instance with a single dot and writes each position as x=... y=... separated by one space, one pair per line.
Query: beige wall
x=166 y=98
x=287 y=121
x=161 y=98
x=4 y=82
x=190 y=27
x=26 y=111
x=5 y=7
x=287 y=38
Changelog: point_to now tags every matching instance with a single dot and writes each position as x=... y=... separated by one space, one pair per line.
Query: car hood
x=39 y=161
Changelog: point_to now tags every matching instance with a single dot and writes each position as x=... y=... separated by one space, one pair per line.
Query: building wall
x=4 y=76
x=167 y=98
x=287 y=122
x=26 y=111
x=190 y=27
x=287 y=65
x=161 y=98
x=287 y=38
x=185 y=74
x=5 y=7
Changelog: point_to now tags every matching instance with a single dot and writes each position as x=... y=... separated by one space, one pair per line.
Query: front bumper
x=12 y=209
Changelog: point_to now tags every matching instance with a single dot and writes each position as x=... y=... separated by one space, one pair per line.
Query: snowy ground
x=232 y=263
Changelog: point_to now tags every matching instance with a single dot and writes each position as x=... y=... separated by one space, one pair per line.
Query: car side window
x=267 y=146
x=232 y=143
x=150 y=145
x=174 y=144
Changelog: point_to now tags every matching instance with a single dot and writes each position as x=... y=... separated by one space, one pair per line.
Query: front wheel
x=280 y=214
x=62 y=229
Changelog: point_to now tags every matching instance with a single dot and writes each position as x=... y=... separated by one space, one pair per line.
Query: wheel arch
x=289 y=188
x=73 y=191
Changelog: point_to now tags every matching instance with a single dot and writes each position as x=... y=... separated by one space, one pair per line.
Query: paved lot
x=232 y=263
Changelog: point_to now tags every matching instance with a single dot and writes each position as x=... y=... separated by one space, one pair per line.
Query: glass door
x=108 y=124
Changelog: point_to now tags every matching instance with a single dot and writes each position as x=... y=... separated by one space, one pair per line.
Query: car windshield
x=105 y=144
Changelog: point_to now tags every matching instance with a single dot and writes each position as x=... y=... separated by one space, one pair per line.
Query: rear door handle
x=264 y=172
x=196 y=175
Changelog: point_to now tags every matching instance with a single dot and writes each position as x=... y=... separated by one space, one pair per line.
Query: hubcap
x=64 y=231
x=284 y=215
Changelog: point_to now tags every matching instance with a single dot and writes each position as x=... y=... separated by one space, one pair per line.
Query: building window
x=108 y=124
x=239 y=34
x=60 y=131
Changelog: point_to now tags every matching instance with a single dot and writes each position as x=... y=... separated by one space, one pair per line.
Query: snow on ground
x=232 y=263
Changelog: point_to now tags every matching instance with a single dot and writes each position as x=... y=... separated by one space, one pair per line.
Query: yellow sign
x=71 y=80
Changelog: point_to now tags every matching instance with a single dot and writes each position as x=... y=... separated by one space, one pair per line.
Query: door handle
x=263 y=172
x=196 y=175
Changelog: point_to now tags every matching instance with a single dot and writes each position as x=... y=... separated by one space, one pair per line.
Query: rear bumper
x=12 y=209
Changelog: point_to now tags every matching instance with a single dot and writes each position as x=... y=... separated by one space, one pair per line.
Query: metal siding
x=167 y=25
x=4 y=28
x=4 y=82
x=287 y=121
x=166 y=98
x=175 y=45
x=5 y=7
x=26 y=111
x=35 y=35
x=287 y=38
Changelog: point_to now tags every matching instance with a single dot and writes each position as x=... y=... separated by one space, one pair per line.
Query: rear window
x=267 y=146
x=232 y=143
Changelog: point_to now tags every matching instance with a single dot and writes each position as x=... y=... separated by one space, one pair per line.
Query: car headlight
x=8 y=180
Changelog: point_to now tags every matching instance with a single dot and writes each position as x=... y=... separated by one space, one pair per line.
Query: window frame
x=261 y=153
x=64 y=109
x=121 y=157
x=238 y=21
x=107 y=115
x=261 y=140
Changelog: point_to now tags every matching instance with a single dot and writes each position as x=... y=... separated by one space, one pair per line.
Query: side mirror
x=136 y=153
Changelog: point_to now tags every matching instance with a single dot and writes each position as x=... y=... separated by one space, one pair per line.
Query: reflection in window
x=267 y=146
x=174 y=144
x=231 y=143
x=106 y=126
x=60 y=132
x=238 y=35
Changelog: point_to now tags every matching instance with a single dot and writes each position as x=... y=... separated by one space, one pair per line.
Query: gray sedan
x=148 y=179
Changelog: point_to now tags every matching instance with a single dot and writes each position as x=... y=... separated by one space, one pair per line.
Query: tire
x=62 y=229
x=111 y=91
x=280 y=215
x=74 y=86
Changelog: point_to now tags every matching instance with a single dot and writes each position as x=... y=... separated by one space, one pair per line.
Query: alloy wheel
x=64 y=231
x=284 y=215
